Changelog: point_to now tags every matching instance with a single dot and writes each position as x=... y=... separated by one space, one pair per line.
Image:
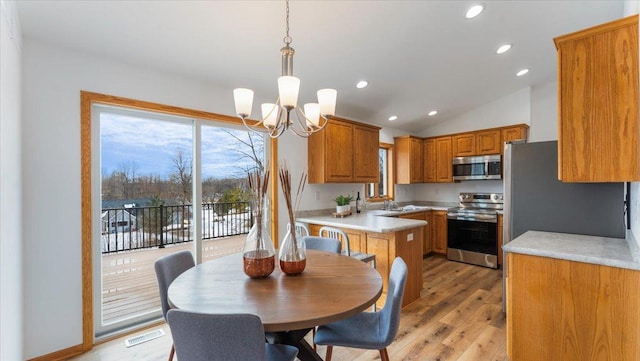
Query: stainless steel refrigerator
x=534 y=198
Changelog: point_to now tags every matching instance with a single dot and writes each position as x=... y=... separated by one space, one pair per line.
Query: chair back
x=168 y=268
x=302 y=229
x=323 y=244
x=200 y=337
x=336 y=233
x=390 y=314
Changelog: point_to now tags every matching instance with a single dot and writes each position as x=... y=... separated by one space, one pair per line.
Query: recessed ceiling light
x=361 y=84
x=503 y=49
x=433 y=112
x=393 y=117
x=522 y=72
x=474 y=11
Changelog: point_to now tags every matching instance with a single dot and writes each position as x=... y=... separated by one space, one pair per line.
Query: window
x=161 y=179
x=384 y=189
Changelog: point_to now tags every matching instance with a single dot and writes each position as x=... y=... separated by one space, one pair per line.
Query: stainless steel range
x=472 y=229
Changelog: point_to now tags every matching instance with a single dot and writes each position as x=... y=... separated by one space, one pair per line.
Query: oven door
x=473 y=242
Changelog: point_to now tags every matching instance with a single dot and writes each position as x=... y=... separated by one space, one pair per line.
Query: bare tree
x=127 y=173
x=182 y=175
x=252 y=149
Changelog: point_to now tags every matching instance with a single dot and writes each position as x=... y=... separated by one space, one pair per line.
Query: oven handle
x=487 y=220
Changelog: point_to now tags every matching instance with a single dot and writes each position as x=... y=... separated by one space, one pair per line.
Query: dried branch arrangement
x=285 y=181
x=258 y=187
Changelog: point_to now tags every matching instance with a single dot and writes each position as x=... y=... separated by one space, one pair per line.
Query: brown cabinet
x=598 y=103
x=439 y=232
x=477 y=143
x=344 y=152
x=514 y=133
x=443 y=160
x=429 y=146
x=409 y=160
x=464 y=145
x=437 y=160
x=366 y=141
x=426 y=230
x=488 y=142
x=571 y=311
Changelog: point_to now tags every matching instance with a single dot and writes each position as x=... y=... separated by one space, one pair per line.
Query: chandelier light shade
x=277 y=117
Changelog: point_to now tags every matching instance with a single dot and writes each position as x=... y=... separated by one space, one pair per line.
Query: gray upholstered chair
x=210 y=337
x=369 y=330
x=337 y=233
x=168 y=268
x=323 y=244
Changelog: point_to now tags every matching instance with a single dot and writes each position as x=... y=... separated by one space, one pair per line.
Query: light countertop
x=614 y=252
x=366 y=221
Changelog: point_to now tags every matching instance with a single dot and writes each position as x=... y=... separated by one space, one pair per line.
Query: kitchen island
x=572 y=297
x=387 y=238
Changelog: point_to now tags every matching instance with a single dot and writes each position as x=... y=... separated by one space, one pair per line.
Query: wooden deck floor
x=129 y=280
x=458 y=318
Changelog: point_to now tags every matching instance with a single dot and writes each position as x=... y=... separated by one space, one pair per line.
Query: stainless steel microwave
x=477 y=168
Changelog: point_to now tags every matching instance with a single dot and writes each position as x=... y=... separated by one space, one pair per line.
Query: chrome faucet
x=389 y=205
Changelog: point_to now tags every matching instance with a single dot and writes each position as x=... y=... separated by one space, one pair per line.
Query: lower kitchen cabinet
x=426 y=233
x=439 y=232
x=406 y=244
x=571 y=311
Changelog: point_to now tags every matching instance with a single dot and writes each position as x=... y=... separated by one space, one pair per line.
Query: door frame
x=87 y=100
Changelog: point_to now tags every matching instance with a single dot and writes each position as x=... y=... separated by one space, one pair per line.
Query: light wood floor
x=458 y=318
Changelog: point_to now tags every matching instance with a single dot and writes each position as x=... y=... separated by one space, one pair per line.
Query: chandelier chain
x=287 y=38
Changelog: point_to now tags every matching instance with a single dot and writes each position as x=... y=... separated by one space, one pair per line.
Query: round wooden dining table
x=332 y=287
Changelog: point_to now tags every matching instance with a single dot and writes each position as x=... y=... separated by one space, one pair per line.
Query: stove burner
x=480 y=207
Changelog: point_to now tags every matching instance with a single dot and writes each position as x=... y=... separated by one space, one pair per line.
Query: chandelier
x=278 y=117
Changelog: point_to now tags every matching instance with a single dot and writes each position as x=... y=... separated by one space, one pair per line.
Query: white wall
x=53 y=79
x=11 y=296
x=544 y=113
x=512 y=109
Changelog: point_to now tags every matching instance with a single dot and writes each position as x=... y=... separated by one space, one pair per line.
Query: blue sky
x=150 y=144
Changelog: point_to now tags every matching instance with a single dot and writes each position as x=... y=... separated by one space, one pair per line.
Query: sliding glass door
x=149 y=171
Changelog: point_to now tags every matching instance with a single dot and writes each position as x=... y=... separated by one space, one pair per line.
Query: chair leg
x=172 y=352
x=313 y=340
x=384 y=356
x=327 y=357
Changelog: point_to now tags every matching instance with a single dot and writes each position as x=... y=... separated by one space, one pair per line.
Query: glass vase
x=258 y=255
x=292 y=254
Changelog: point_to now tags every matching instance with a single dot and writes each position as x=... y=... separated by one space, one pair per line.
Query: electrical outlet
x=317 y=195
x=409 y=237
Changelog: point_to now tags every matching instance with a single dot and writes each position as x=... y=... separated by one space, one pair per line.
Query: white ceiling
x=416 y=55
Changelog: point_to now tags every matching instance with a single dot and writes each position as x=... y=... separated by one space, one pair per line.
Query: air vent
x=136 y=340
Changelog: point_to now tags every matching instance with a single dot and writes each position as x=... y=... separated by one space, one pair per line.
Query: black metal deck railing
x=125 y=229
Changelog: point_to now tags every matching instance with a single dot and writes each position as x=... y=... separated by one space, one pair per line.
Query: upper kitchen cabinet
x=484 y=142
x=464 y=145
x=344 y=152
x=488 y=142
x=516 y=132
x=409 y=160
x=598 y=103
x=437 y=160
x=443 y=160
x=430 y=169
